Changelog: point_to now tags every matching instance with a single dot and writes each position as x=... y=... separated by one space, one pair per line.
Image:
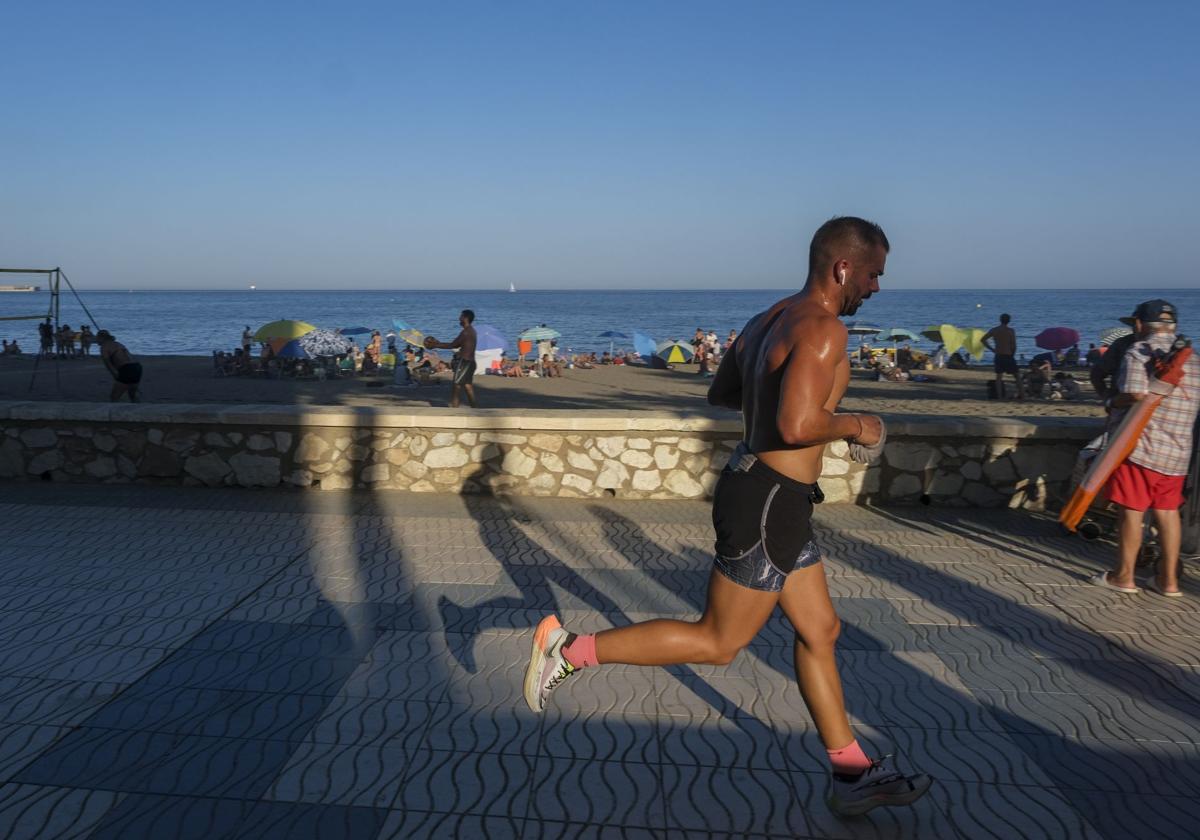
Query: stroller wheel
x=1089 y=530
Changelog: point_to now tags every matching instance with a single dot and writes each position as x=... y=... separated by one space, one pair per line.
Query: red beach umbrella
x=1057 y=338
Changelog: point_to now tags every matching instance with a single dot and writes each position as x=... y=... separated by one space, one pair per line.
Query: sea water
x=198 y=322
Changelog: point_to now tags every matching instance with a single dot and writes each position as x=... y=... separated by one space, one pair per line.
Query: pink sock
x=581 y=652
x=849 y=760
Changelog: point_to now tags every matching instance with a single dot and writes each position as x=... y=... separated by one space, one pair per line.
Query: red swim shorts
x=1138 y=488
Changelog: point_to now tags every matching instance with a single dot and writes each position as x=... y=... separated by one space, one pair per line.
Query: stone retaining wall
x=977 y=462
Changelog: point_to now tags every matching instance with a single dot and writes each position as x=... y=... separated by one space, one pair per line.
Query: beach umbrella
x=283 y=329
x=356 y=331
x=414 y=337
x=399 y=325
x=612 y=336
x=934 y=333
x=862 y=328
x=896 y=335
x=292 y=350
x=1057 y=338
x=324 y=343
x=489 y=338
x=1111 y=334
x=674 y=352
x=540 y=334
x=644 y=345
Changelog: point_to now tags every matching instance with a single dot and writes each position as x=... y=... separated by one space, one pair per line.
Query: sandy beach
x=190 y=379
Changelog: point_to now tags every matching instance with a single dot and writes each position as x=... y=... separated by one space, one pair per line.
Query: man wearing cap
x=1152 y=477
x=126 y=373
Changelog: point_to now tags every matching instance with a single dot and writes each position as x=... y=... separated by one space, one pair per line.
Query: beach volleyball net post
x=55 y=277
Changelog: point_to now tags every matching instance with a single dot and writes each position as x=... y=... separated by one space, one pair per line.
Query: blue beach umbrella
x=488 y=337
x=644 y=345
x=292 y=350
x=400 y=325
x=355 y=331
x=612 y=336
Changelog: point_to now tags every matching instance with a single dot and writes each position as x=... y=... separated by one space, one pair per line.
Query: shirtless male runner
x=787 y=371
x=463 y=366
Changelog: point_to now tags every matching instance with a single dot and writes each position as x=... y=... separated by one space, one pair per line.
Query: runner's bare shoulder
x=815 y=333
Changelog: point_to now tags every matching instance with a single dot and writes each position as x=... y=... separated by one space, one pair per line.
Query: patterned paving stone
x=349 y=665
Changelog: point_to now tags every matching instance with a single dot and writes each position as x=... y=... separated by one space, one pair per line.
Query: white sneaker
x=547 y=666
x=880 y=784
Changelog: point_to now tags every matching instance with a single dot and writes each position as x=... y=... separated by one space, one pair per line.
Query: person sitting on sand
x=370 y=362
x=550 y=367
x=126 y=373
x=956 y=361
x=1064 y=387
x=605 y=358
x=1040 y=372
x=582 y=363
x=904 y=357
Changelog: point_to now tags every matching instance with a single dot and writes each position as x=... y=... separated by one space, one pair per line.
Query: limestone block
x=580 y=461
x=837 y=449
x=380 y=442
x=864 y=481
x=836 y=490
x=665 y=457
x=36 y=438
x=904 y=485
x=12 y=459
x=446 y=477
x=337 y=482
x=1049 y=462
x=974 y=451
x=695 y=464
x=321 y=469
x=718 y=458
x=945 y=484
x=636 y=459
x=103 y=467
x=833 y=466
x=343 y=467
x=418 y=445
x=396 y=457
x=949 y=451
x=207 y=468
x=1000 y=472
x=235 y=438
x=551 y=462
x=215 y=439
x=709 y=482
x=154 y=436
x=692 y=445
x=595 y=454
x=357 y=452
x=300 y=478
x=646 y=480
x=399 y=438
x=981 y=495
x=255 y=470
x=468 y=438
x=550 y=443
x=132 y=445
x=160 y=462
x=577 y=482
x=612 y=475
x=259 y=443
x=501 y=437
x=446 y=457
x=482 y=452
x=341 y=442
x=542 y=481
x=682 y=484
x=283 y=441
x=127 y=467
x=104 y=442
x=500 y=481
x=575 y=440
x=639 y=443
x=422 y=487
x=971 y=470
x=667 y=439
x=910 y=457
x=611 y=446
x=414 y=469
x=181 y=441
x=516 y=462
x=312 y=448
x=361 y=434
x=375 y=473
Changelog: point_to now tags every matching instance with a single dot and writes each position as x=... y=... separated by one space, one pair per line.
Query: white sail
x=512 y=287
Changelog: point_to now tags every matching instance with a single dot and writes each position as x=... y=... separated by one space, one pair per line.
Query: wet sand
x=189 y=379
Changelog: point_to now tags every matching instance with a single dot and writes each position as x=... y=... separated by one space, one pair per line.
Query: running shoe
x=880 y=784
x=547 y=666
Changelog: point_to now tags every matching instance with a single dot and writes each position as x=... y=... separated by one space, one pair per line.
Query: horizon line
x=621 y=290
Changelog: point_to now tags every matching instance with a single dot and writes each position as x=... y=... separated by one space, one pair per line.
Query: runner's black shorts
x=464 y=373
x=129 y=374
x=763 y=523
x=1005 y=363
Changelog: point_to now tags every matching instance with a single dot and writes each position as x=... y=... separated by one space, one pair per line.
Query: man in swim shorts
x=463 y=366
x=1002 y=341
x=786 y=372
x=126 y=373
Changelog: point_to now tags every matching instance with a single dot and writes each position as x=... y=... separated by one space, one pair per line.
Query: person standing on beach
x=787 y=373
x=463 y=366
x=247 y=341
x=85 y=340
x=1002 y=341
x=46 y=337
x=126 y=373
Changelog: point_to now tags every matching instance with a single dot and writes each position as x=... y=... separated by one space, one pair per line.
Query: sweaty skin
x=788 y=371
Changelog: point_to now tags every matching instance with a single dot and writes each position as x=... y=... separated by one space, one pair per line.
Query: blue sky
x=561 y=145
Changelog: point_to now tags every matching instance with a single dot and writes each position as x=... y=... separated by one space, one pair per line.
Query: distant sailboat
x=253 y=287
x=512 y=287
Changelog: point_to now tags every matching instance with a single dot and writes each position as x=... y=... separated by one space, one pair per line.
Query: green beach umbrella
x=283 y=329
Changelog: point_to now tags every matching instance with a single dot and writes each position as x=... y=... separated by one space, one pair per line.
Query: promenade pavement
x=199 y=663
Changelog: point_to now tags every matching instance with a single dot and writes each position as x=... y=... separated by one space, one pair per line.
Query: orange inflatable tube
x=1168 y=372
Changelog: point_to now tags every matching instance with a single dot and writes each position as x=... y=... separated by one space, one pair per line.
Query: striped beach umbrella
x=674 y=353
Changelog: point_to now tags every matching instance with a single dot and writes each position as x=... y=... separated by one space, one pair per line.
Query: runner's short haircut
x=469 y=315
x=1004 y=319
x=841 y=237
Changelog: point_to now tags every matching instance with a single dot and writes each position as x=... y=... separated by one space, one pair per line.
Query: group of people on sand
x=64 y=343
x=1040 y=379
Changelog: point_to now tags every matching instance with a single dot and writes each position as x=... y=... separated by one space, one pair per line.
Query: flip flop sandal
x=1153 y=586
x=1102 y=580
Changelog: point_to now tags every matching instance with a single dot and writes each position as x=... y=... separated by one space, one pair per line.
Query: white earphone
x=842 y=277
